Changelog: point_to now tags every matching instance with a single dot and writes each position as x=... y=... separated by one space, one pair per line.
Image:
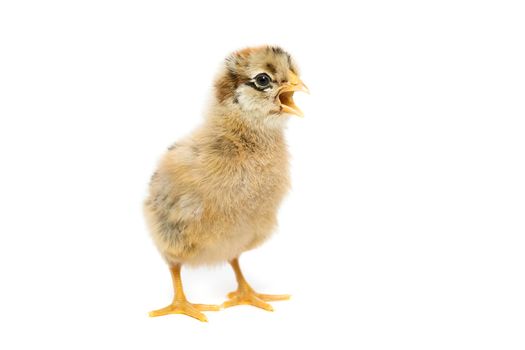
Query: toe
x=247 y=299
x=196 y=314
x=207 y=307
x=273 y=297
x=261 y=304
x=184 y=308
x=160 y=312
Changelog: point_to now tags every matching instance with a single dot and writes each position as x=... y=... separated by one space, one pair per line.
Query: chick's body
x=216 y=193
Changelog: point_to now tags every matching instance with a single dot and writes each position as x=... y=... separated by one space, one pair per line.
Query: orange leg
x=245 y=295
x=180 y=305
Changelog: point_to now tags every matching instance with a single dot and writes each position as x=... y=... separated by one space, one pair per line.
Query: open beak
x=286 y=95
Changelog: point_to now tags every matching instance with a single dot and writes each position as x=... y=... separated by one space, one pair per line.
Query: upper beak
x=286 y=95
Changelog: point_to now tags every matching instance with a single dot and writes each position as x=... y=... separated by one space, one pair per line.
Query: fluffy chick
x=216 y=193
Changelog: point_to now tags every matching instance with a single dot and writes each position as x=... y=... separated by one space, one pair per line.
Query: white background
x=405 y=227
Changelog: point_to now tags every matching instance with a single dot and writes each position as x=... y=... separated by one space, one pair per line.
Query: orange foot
x=186 y=308
x=245 y=295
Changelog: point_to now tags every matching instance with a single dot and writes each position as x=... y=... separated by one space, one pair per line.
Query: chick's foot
x=247 y=296
x=186 y=308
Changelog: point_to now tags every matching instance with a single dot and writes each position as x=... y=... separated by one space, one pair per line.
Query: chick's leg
x=180 y=305
x=245 y=295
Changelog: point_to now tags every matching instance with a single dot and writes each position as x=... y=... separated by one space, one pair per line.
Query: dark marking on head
x=277 y=50
x=226 y=85
x=233 y=76
x=290 y=64
x=173 y=146
x=271 y=68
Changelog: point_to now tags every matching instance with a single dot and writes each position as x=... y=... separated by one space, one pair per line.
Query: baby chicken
x=216 y=193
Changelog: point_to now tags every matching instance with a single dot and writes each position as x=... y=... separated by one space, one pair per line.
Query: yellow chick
x=216 y=193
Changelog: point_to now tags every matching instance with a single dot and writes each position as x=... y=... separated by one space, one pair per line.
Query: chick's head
x=260 y=82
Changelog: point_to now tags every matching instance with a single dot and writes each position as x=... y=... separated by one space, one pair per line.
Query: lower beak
x=286 y=95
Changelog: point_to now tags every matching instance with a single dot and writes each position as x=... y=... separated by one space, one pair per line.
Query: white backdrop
x=404 y=229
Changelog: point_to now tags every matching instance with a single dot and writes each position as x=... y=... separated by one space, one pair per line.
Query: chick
x=216 y=193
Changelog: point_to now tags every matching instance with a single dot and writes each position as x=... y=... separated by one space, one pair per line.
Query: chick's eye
x=263 y=80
